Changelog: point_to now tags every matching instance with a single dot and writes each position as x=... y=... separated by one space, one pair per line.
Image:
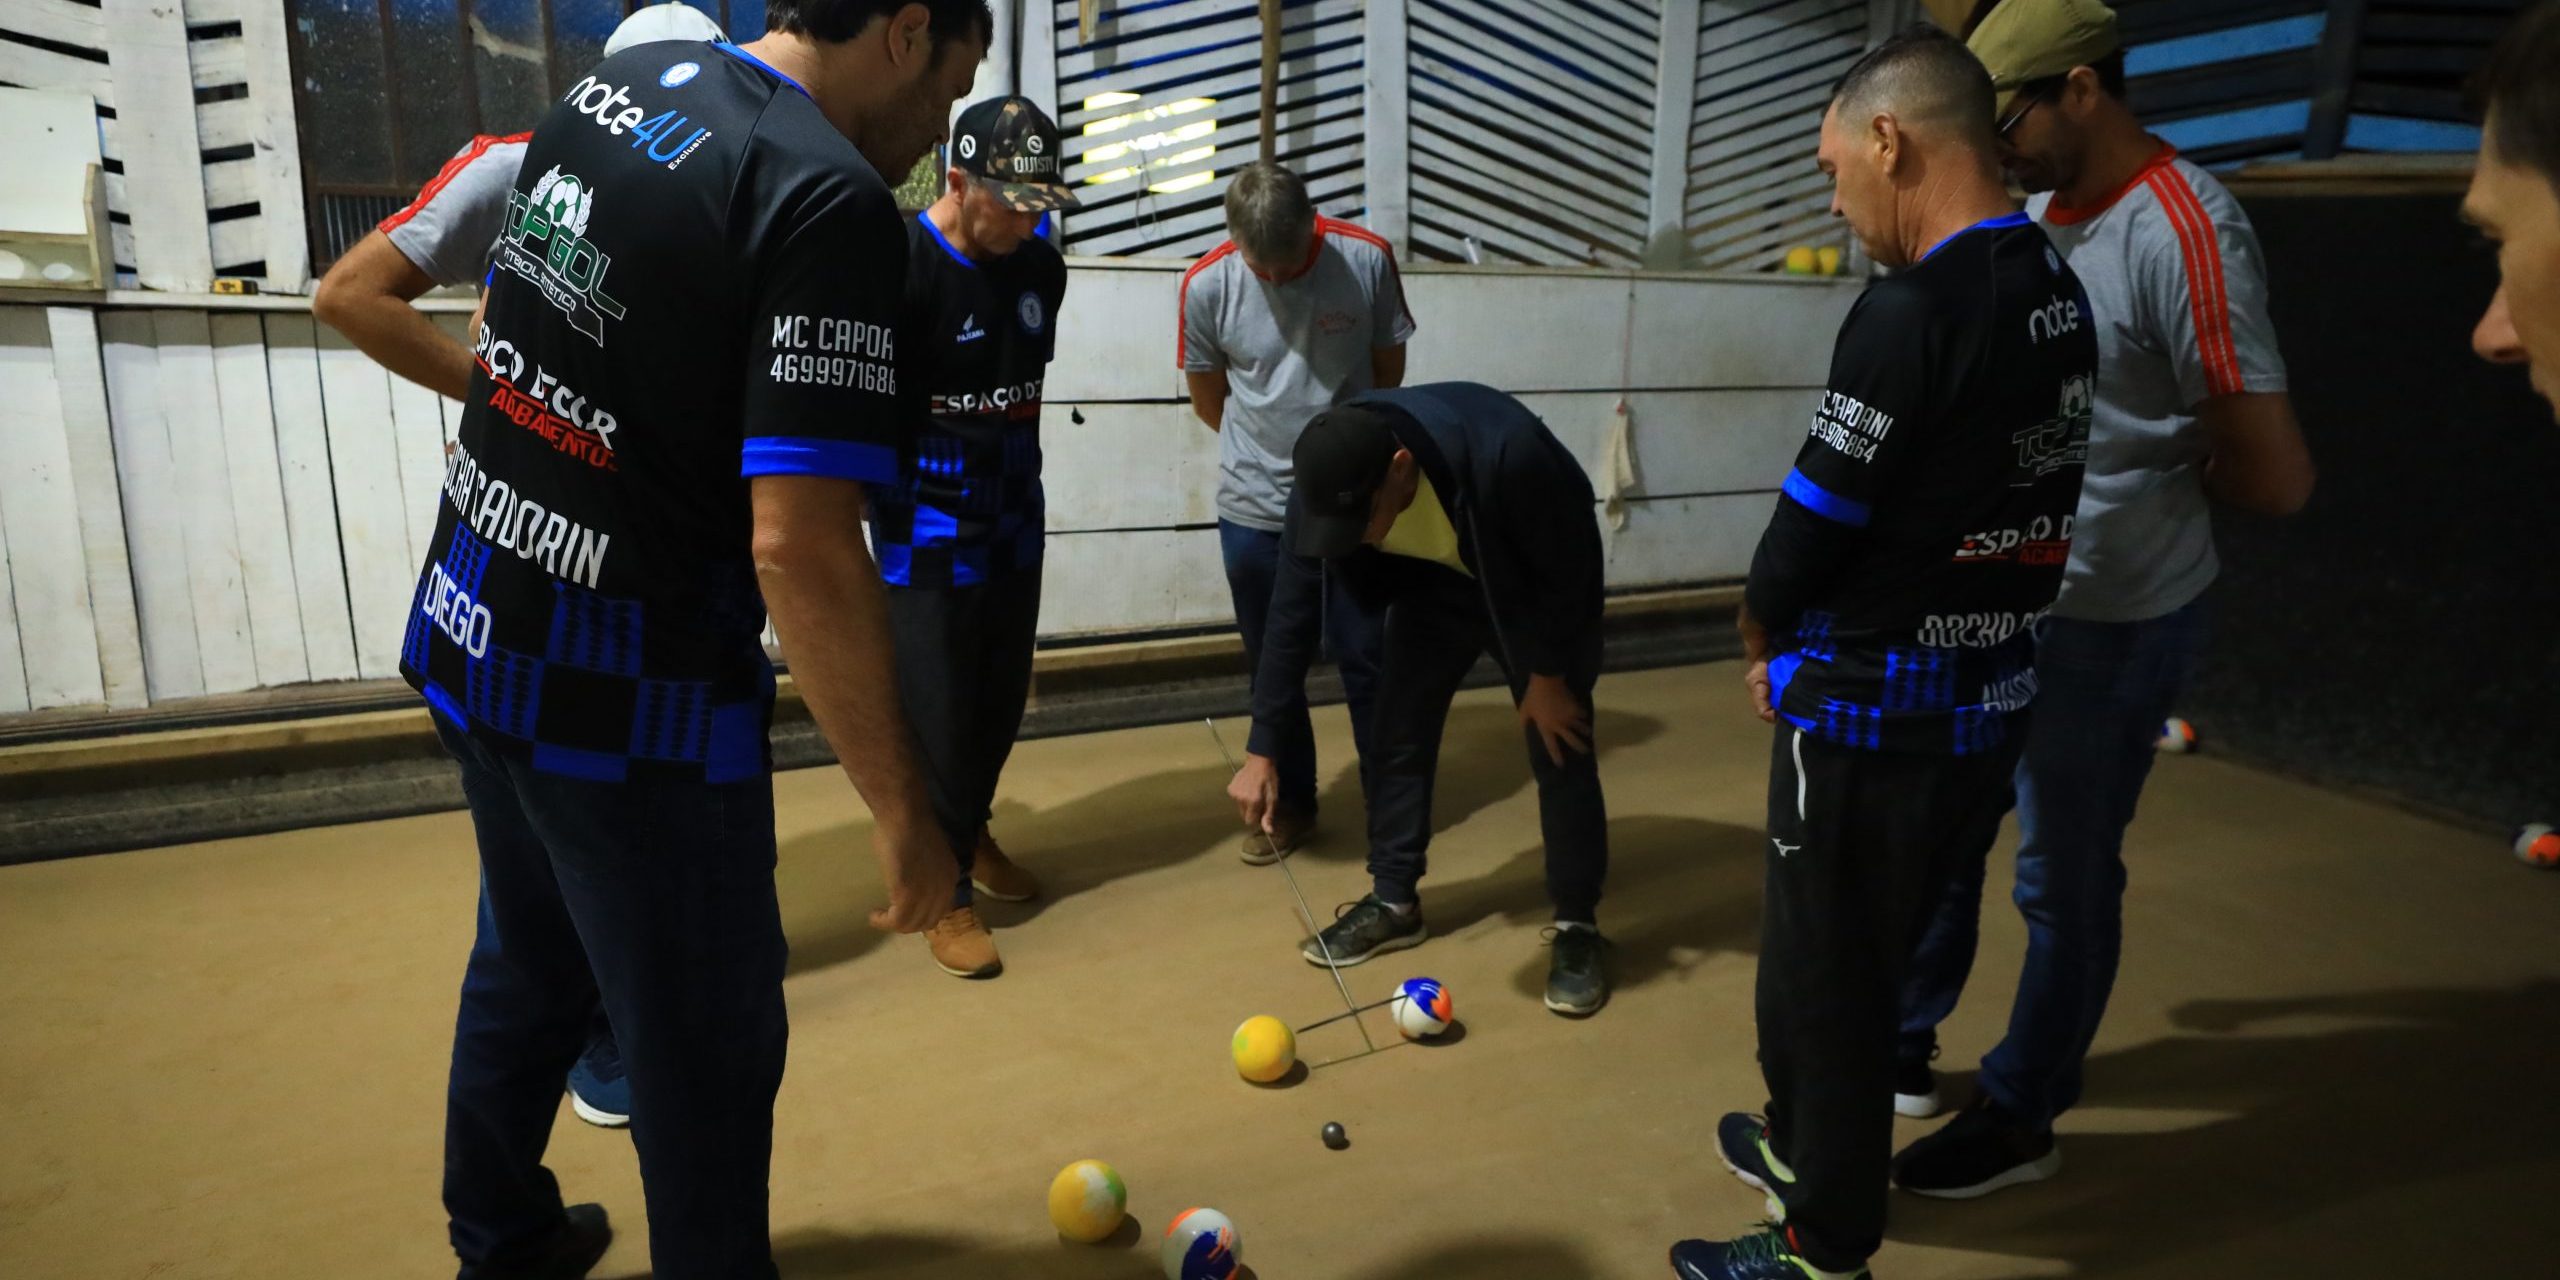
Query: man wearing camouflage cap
x=959 y=535
x=2191 y=406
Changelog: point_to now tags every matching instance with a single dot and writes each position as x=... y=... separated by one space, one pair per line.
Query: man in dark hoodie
x=1451 y=511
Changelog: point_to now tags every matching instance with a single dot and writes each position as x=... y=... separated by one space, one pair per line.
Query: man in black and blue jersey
x=959 y=535
x=1888 y=623
x=688 y=369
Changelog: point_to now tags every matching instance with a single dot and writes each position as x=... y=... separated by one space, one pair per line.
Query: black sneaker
x=1980 y=1151
x=1363 y=929
x=1742 y=1140
x=1577 y=972
x=1766 y=1254
x=568 y=1253
x=1915 y=1091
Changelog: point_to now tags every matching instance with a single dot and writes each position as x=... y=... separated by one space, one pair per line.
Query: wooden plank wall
x=210 y=501
x=1662 y=133
x=1763 y=75
x=1163 y=103
x=1718 y=376
x=195 y=122
x=202 y=502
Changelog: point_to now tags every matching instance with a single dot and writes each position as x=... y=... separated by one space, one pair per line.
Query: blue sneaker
x=598 y=1091
x=1742 y=1140
x=1766 y=1254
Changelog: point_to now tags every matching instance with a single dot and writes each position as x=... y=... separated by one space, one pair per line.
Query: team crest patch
x=1031 y=312
x=677 y=75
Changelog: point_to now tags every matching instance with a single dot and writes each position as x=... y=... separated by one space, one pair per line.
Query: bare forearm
x=1755 y=638
x=2258 y=459
x=831 y=612
x=403 y=340
x=1208 y=396
x=2279 y=490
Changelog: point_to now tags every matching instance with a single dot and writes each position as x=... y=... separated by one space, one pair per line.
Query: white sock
x=1567 y=926
x=1403 y=910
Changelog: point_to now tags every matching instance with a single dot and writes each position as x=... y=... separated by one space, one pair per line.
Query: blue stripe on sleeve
x=1820 y=501
x=815 y=456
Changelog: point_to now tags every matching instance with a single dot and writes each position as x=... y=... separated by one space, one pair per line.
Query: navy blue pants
x=964 y=677
x=1434 y=635
x=658 y=899
x=2103 y=689
x=1355 y=638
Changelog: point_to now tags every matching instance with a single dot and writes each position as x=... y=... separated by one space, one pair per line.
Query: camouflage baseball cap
x=1013 y=144
x=2023 y=41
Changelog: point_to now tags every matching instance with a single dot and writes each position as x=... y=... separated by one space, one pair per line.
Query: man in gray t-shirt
x=2191 y=405
x=443 y=238
x=1294 y=314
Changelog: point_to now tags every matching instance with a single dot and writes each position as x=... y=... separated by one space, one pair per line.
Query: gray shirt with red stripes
x=2178 y=288
x=1291 y=349
x=448 y=230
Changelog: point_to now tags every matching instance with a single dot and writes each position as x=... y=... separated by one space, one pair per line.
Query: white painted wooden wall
x=205 y=501
x=197 y=189
x=1666 y=133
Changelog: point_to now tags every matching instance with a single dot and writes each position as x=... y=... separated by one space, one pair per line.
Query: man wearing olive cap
x=2191 y=406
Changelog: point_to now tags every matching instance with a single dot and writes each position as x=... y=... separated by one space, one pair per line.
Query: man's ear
x=910 y=36
x=2081 y=91
x=1888 y=141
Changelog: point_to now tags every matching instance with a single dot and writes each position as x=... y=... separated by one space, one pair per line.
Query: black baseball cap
x=1013 y=143
x=1340 y=459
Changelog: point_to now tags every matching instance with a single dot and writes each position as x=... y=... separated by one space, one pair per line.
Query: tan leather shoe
x=961 y=944
x=1289 y=829
x=1000 y=877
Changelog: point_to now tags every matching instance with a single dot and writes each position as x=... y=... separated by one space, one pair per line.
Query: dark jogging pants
x=659 y=899
x=1433 y=638
x=1861 y=848
x=964 y=675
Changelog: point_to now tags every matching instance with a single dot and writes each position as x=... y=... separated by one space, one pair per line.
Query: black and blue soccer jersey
x=1927 y=521
x=968 y=507
x=697 y=284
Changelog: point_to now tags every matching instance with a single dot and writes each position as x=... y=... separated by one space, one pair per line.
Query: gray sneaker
x=1577 y=973
x=1363 y=929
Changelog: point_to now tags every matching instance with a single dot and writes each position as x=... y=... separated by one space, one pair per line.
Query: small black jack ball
x=1335 y=1138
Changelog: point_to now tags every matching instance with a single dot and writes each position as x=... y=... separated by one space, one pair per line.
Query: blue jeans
x=1354 y=637
x=2103 y=689
x=658 y=899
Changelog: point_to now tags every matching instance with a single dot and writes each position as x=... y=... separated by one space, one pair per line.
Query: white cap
x=670 y=21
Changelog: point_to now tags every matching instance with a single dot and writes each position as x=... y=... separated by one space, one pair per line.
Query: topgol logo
x=545 y=243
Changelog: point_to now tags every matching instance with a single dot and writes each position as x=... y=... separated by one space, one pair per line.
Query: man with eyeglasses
x=2191 y=407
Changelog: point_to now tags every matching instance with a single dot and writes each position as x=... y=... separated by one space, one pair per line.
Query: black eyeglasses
x=2030 y=96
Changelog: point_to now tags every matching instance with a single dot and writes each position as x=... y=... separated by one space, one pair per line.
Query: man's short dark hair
x=2520 y=86
x=1921 y=73
x=2110 y=71
x=836 y=21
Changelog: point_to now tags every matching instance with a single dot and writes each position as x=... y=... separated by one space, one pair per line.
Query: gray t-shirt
x=2179 y=288
x=1290 y=351
x=448 y=230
